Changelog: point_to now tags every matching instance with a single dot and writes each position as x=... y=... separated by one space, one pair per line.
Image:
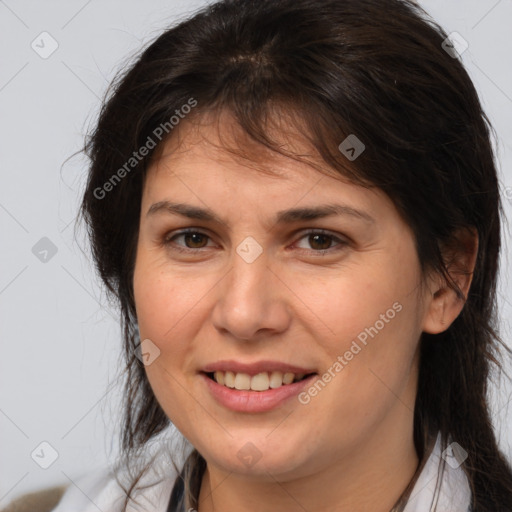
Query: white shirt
x=100 y=491
x=454 y=494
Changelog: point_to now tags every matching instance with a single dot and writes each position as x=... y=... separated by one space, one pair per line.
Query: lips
x=250 y=401
x=255 y=387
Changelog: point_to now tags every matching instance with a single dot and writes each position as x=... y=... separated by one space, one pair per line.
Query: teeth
x=242 y=381
x=229 y=379
x=259 y=382
x=288 y=378
x=276 y=380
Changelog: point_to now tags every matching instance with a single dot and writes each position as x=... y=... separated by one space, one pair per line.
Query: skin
x=351 y=447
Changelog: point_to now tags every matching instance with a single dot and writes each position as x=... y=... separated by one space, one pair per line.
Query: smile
x=250 y=400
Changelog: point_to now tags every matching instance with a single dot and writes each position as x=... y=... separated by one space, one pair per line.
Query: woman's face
x=255 y=292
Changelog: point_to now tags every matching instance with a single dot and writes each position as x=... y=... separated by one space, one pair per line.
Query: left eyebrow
x=282 y=217
x=320 y=212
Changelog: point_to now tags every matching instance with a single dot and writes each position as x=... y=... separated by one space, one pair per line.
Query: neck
x=373 y=477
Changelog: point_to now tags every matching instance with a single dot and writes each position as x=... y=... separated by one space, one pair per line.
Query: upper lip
x=254 y=368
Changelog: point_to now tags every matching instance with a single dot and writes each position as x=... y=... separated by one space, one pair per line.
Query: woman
x=296 y=205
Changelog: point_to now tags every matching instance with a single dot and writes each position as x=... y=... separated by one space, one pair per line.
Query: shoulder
x=101 y=490
x=106 y=490
x=89 y=492
x=38 y=501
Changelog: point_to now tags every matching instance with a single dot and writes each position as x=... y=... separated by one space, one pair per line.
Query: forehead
x=215 y=140
x=213 y=171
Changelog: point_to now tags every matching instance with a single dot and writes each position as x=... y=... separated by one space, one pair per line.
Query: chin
x=258 y=457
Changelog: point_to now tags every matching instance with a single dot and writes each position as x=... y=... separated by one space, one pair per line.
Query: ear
x=443 y=305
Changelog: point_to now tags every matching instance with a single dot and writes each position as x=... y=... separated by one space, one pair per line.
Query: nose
x=252 y=300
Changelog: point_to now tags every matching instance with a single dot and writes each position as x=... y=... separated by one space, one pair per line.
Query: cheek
x=362 y=304
x=162 y=307
x=369 y=318
x=163 y=300
x=165 y=314
x=370 y=356
x=170 y=312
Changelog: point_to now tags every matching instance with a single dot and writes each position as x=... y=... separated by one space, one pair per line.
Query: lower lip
x=254 y=401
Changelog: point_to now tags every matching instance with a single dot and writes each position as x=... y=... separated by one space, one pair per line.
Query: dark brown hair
x=373 y=68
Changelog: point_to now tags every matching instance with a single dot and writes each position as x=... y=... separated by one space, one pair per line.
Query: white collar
x=454 y=494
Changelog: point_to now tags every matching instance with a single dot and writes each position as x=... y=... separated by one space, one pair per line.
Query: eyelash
x=169 y=239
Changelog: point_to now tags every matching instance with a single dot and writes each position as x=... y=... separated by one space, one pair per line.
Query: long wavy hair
x=374 y=68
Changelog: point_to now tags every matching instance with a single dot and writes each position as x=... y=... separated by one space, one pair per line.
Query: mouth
x=258 y=393
x=262 y=381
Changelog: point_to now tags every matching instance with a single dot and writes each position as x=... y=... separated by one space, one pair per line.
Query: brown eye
x=196 y=240
x=322 y=242
x=193 y=240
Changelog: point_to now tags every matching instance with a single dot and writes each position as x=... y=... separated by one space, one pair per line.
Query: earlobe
x=442 y=310
x=444 y=304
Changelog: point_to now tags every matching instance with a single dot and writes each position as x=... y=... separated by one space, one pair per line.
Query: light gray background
x=60 y=339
